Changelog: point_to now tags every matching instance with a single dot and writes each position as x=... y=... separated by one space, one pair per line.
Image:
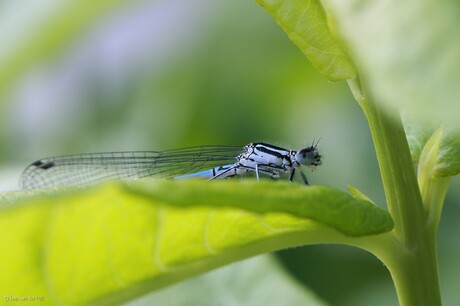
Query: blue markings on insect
x=216 y=172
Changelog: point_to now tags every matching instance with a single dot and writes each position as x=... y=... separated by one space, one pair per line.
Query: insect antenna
x=315 y=142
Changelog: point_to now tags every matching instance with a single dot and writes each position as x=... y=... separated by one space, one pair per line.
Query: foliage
x=146 y=237
x=108 y=244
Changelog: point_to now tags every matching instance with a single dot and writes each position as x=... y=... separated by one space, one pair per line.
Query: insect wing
x=83 y=169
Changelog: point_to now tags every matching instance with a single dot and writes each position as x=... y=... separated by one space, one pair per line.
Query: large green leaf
x=255 y=277
x=306 y=24
x=407 y=52
x=110 y=243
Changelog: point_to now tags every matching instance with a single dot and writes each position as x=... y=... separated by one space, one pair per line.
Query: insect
x=220 y=162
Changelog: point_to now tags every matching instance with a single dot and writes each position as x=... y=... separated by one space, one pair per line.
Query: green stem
x=411 y=259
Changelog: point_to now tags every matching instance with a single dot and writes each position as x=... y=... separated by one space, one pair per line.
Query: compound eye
x=304 y=156
x=306 y=151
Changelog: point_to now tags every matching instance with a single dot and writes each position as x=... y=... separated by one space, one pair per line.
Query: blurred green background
x=76 y=76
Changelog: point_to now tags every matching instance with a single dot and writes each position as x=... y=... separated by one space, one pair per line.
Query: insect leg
x=291 y=176
x=304 y=177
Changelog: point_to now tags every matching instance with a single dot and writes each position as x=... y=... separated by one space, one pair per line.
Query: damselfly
x=220 y=161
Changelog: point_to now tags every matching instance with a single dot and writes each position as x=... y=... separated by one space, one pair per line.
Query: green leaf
x=339 y=210
x=406 y=52
x=448 y=161
x=255 y=277
x=441 y=154
x=114 y=242
x=438 y=150
x=417 y=135
x=306 y=24
x=358 y=193
x=436 y=167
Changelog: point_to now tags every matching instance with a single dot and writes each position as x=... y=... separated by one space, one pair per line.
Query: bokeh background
x=76 y=77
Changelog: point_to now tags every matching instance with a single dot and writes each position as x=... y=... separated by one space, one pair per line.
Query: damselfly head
x=309 y=156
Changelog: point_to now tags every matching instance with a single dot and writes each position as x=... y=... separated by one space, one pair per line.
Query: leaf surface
x=440 y=148
x=114 y=242
x=417 y=135
x=406 y=53
x=305 y=22
x=256 y=276
x=448 y=162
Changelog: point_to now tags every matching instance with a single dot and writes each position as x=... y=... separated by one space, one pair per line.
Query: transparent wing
x=92 y=168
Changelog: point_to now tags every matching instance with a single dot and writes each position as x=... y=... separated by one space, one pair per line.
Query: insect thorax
x=268 y=157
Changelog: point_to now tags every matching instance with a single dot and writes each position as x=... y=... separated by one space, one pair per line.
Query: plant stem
x=412 y=258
